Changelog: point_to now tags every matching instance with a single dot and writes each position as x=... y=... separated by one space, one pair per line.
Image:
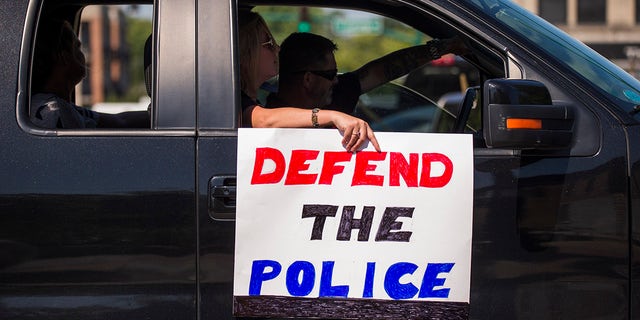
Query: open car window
x=90 y=69
x=116 y=79
x=428 y=99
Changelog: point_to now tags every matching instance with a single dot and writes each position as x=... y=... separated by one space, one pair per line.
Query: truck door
x=551 y=228
x=100 y=223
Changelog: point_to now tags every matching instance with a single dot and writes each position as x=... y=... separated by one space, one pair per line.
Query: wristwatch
x=434 y=47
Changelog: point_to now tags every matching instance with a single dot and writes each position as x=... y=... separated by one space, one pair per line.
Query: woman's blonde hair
x=251 y=26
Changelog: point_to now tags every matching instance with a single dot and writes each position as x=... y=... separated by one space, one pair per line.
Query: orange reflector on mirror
x=516 y=123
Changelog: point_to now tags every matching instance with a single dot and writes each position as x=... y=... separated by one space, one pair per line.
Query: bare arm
x=355 y=131
x=391 y=66
x=401 y=62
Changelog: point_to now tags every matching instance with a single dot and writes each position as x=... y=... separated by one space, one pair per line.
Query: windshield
x=576 y=55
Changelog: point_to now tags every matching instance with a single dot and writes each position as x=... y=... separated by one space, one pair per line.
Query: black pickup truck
x=139 y=223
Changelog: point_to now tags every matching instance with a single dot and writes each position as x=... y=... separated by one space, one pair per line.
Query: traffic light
x=304 y=25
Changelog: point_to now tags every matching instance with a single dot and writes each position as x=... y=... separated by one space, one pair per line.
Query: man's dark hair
x=302 y=51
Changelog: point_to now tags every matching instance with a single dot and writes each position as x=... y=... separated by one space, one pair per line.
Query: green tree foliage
x=283 y=21
x=137 y=32
x=138 y=29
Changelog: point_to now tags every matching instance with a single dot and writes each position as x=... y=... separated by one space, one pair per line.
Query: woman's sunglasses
x=271 y=44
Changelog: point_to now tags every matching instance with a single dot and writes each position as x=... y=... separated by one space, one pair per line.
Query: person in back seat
x=258 y=63
x=58 y=66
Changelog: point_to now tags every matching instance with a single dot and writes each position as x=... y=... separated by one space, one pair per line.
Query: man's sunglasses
x=327 y=74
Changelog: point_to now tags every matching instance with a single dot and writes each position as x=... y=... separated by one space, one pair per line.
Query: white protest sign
x=315 y=221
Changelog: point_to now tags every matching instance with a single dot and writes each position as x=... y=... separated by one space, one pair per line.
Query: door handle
x=222 y=197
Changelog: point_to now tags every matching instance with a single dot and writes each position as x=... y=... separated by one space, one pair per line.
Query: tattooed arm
x=401 y=62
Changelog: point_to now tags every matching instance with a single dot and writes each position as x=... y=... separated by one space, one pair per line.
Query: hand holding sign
x=355 y=132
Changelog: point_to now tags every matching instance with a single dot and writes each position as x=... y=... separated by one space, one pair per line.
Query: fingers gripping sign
x=373 y=139
x=356 y=134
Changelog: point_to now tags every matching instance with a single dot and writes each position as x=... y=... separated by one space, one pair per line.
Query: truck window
x=426 y=99
x=88 y=69
x=115 y=80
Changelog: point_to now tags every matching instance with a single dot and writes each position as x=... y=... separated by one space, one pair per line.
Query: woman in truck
x=259 y=63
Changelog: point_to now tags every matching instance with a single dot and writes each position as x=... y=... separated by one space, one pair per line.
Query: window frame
x=160 y=100
x=218 y=97
x=231 y=123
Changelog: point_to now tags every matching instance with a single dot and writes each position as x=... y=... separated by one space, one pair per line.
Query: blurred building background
x=610 y=27
x=103 y=36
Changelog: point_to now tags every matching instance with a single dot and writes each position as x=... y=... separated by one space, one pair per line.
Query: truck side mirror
x=519 y=114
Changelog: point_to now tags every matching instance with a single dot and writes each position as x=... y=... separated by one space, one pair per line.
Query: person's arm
x=403 y=61
x=355 y=131
x=130 y=119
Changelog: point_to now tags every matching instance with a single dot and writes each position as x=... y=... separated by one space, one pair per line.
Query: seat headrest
x=147 y=64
